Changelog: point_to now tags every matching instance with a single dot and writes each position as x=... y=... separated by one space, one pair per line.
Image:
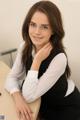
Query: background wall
x=12 y=14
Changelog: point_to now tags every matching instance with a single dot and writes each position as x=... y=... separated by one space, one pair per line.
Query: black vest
x=58 y=91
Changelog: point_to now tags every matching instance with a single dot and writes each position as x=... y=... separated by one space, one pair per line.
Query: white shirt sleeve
x=17 y=71
x=33 y=88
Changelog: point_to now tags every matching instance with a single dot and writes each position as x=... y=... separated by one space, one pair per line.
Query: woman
x=42 y=57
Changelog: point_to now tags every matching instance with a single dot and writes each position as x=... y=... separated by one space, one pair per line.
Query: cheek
x=48 y=35
x=30 y=31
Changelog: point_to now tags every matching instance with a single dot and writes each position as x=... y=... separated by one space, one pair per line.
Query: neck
x=37 y=48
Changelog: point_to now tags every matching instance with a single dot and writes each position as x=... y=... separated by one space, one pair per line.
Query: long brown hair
x=55 y=20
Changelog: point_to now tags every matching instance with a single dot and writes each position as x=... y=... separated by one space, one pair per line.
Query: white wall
x=71 y=18
x=12 y=14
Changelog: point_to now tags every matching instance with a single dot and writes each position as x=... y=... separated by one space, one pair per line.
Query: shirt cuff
x=14 y=90
x=32 y=74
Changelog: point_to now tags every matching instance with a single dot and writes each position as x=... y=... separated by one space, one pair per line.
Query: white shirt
x=33 y=88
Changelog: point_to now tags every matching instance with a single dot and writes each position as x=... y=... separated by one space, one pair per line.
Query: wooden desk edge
x=35 y=106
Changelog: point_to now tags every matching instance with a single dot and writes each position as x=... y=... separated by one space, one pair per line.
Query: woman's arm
x=33 y=87
x=12 y=85
x=24 y=111
x=17 y=71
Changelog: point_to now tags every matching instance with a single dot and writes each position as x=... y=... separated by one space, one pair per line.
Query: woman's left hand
x=41 y=55
x=44 y=52
x=24 y=111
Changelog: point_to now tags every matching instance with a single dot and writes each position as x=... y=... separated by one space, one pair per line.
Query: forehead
x=39 y=17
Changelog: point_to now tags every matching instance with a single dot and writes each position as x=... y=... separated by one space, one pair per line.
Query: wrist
x=16 y=95
x=36 y=64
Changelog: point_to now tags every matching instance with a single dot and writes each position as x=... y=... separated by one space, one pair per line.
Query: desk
x=7 y=106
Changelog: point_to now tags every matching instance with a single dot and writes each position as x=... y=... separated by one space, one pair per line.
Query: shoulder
x=21 y=46
x=60 y=59
x=60 y=56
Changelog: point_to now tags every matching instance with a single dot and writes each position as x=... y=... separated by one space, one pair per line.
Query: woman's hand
x=41 y=55
x=23 y=110
x=44 y=52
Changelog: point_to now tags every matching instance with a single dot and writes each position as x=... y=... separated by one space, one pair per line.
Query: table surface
x=7 y=106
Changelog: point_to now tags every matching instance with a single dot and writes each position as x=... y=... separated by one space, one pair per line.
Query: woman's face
x=39 y=29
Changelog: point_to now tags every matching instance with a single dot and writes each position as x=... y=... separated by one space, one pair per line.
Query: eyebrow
x=41 y=24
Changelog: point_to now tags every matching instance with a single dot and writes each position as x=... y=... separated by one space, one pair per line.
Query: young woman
x=43 y=63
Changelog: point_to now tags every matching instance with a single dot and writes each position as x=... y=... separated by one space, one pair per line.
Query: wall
x=12 y=14
x=71 y=18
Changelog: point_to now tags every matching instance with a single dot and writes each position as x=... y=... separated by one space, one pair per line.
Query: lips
x=37 y=37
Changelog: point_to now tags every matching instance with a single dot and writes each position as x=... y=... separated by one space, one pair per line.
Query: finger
x=29 y=109
x=19 y=114
x=48 y=45
x=49 y=48
x=29 y=114
x=24 y=116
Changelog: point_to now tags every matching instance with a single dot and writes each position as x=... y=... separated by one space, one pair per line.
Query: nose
x=37 y=30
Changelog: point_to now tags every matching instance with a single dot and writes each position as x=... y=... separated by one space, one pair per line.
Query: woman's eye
x=32 y=25
x=45 y=27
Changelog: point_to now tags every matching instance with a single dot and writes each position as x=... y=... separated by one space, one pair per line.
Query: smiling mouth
x=37 y=37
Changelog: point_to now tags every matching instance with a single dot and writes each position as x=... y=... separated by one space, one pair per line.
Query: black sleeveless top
x=53 y=102
x=54 y=96
x=58 y=90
